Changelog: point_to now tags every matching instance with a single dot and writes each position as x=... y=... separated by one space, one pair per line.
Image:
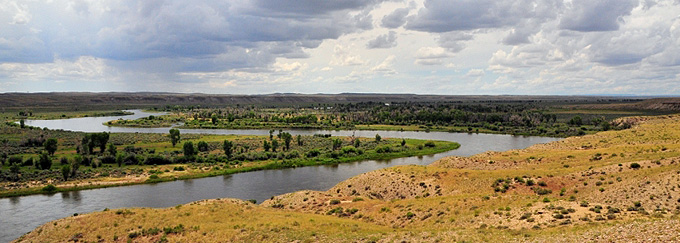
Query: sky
x=451 y=47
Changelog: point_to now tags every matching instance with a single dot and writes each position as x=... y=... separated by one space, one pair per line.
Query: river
x=20 y=215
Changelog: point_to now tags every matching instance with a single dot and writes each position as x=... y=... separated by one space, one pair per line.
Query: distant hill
x=116 y=100
x=660 y=104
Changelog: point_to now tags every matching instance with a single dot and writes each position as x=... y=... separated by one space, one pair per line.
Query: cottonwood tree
x=188 y=149
x=228 y=147
x=287 y=138
x=174 y=136
x=50 y=145
x=44 y=162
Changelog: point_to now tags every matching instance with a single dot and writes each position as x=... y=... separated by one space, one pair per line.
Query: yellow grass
x=455 y=199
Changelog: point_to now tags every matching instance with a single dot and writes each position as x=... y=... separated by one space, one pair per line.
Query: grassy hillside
x=610 y=186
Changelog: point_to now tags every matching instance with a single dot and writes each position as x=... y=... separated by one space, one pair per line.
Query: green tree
x=85 y=145
x=357 y=143
x=100 y=140
x=202 y=146
x=112 y=150
x=266 y=146
x=119 y=159
x=188 y=149
x=275 y=145
x=214 y=119
x=65 y=171
x=299 y=140
x=174 y=136
x=75 y=164
x=403 y=142
x=228 y=147
x=14 y=168
x=22 y=123
x=377 y=137
x=271 y=134
x=576 y=121
x=44 y=161
x=605 y=125
x=50 y=145
x=337 y=143
x=287 y=138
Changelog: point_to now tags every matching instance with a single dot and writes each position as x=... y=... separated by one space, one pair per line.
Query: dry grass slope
x=611 y=186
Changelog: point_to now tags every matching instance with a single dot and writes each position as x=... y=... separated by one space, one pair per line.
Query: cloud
x=395 y=19
x=386 y=66
x=431 y=56
x=266 y=46
x=443 y=16
x=135 y=30
x=475 y=73
x=521 y=32
x=342 y=56
x=388 y=40
x=596 y=15
x=454 y=41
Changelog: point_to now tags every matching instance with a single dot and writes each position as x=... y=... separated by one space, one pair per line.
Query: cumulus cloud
x=264 y=46
x=395 y=19
x=388 y=40
x=386 y=66
x=596 y=15
x=454 y=41
x=444 y=16
x=343 y=56
x=133 y=30
x=431 y=56
x=475 y=73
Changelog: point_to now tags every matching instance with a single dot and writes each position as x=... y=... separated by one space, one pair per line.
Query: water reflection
x=73 y=196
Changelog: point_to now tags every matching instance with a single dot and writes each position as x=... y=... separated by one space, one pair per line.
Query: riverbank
x=210 y=163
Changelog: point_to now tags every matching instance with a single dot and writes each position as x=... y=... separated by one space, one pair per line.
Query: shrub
x=635 y=166
x=157 y=160
x=107 y=159
x=383 y=149
x=430 y=144
x=131 y=159
x=530 y=182
x=349 y=149
x=188 y=149
x=15 y=160
x=65 y=171
x=334 y=202
x=335 y=211
x=313 y=153
x=293 y=155
x=202 y=146
x=49 y=188
x=28 y=162
x=542 y=191
x=45 y=163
